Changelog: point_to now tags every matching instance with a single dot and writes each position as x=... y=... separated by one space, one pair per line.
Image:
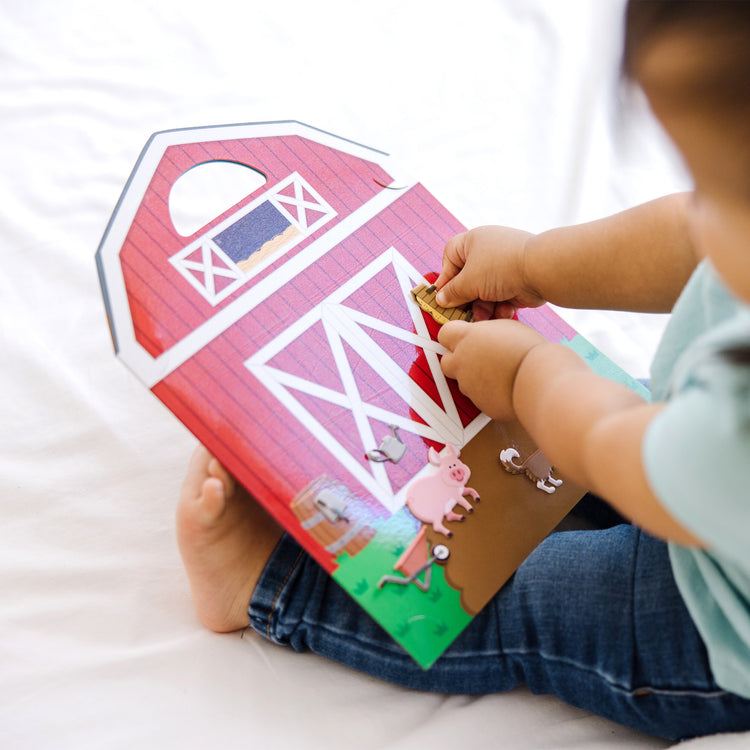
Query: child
x=645 y=623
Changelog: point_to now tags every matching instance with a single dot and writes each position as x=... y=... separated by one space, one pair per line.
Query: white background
x=509 y=111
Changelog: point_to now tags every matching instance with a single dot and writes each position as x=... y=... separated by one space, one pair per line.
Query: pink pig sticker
x=432 y=499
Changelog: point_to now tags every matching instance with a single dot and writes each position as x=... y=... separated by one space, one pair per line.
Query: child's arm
x=589 y=427
x=638 y=260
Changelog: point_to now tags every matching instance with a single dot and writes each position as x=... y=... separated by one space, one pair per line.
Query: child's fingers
x=454 y=293
x=450 y=336
x=493 y=310
x=450 y=270
x=451 y=333
x=505 y=310
x=482 y=310
x=453 y=260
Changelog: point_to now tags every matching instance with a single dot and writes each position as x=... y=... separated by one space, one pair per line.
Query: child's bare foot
x=225 y=539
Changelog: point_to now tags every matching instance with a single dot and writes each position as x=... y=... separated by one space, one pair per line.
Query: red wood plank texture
x=164 y=307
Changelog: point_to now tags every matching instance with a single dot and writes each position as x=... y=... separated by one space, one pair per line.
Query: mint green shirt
x=697 y=459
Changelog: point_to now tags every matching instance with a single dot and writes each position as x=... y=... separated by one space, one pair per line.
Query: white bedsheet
x=509 y=111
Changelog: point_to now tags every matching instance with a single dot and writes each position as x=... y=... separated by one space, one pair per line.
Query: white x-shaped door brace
x=342 y=323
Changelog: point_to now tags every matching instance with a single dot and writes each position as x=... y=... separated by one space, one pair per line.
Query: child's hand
x=484 y=358
x=486 y=266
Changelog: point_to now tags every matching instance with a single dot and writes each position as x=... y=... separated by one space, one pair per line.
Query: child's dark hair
x=722 y=27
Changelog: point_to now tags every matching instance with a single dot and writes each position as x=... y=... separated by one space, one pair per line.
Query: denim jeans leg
x=593 y=617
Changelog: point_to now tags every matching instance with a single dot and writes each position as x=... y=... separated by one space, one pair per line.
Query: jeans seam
x=626 y=690
x=642 y=689
x=282 y=585
x=392 y=648
x=631 y=692
x=633 y=630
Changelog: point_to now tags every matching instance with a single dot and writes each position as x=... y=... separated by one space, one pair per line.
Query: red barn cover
x=284 y=334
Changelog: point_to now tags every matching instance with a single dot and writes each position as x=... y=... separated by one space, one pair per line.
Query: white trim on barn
x=151 y=369
x=343 y=323
x=201 y=272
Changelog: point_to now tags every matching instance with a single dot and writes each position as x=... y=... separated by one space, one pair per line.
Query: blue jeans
x=593 y=617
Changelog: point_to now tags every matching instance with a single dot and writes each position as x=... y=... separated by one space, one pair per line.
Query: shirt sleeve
x=696 y=454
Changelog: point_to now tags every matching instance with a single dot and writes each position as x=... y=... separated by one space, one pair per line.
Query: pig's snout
x=457 y=474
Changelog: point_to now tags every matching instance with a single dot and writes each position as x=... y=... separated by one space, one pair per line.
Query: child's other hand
x=484 y=357
x=486 y=266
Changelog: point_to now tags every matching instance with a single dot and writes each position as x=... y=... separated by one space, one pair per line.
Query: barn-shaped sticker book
x=287 y=323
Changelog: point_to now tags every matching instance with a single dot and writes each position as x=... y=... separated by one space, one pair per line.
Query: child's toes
x=215 y=469
x=212 y=499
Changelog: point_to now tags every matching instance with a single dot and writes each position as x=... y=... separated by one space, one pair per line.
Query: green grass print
x=423 y=622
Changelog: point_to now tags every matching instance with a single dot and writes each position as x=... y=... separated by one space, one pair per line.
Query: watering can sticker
x=391 y=448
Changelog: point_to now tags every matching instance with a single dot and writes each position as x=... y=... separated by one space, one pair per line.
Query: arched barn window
x=222 y=259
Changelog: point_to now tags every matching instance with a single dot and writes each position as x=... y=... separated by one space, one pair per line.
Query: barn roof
x=166 y=294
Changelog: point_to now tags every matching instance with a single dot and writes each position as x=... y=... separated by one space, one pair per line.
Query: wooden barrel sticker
x=329 y=512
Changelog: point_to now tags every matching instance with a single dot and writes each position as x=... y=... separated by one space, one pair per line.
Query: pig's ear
x=451 y=450
x=433 y=457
